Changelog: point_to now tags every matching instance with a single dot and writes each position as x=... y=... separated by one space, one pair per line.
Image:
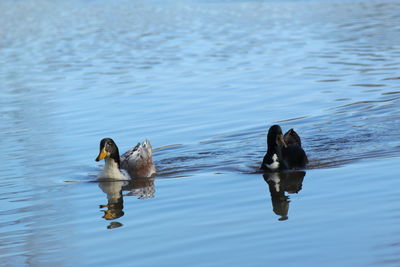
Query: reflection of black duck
x=284 y=151
x=279 y=183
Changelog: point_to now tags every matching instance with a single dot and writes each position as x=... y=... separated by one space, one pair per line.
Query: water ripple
x=211 y=76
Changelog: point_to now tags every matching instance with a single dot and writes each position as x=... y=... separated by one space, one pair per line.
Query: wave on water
x=345 y=134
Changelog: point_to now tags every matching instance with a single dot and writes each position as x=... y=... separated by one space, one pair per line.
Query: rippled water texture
x=203 y=80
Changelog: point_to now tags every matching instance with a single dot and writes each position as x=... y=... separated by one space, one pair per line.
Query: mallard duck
x=284 y=151
x=136 y=162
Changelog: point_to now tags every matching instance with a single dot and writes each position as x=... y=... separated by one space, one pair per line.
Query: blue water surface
x=203 y=81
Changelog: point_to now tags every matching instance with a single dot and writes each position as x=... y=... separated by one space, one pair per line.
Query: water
x=206 y=79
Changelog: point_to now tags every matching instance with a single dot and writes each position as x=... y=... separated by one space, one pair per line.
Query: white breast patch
x=275 y=163
x=111 y=171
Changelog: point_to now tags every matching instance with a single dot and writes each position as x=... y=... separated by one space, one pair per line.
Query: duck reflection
x=279 y=183
x=115 y=202
x=141 y=187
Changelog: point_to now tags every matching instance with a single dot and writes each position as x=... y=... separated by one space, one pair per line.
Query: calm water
x=206 y=79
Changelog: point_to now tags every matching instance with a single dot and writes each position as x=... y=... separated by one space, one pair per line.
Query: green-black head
x=275 y=137
x=108 y=150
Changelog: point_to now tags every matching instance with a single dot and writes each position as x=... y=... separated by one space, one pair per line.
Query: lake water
x=203 y=80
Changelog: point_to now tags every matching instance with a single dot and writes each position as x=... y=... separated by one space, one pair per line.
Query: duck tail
x=146 y=144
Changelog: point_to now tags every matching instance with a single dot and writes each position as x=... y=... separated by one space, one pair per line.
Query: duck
x=136 y=162
x=284 y=152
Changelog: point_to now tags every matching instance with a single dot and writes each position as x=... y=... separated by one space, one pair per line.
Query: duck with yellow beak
x=136 y=162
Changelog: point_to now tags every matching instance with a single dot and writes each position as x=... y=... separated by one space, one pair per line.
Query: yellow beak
x=103 y=153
